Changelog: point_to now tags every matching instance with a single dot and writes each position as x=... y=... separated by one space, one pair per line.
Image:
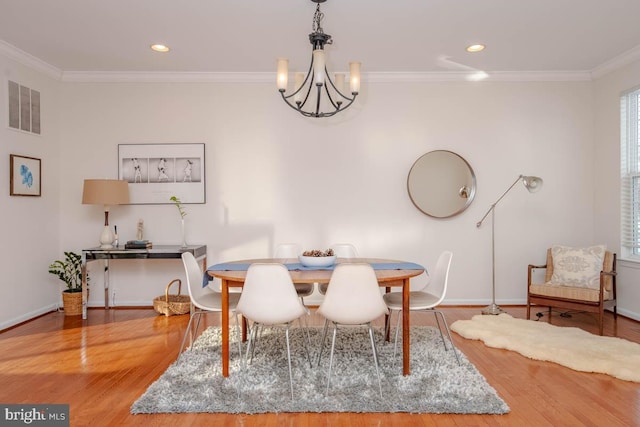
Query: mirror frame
x=470 y=192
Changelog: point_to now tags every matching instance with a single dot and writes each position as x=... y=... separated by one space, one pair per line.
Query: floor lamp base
x=492 y=309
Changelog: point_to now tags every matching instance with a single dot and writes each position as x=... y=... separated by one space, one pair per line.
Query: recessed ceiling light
x=475 y=48
x=160 y=48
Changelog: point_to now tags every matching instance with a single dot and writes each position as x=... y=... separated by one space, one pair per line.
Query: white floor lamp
x=531 y=183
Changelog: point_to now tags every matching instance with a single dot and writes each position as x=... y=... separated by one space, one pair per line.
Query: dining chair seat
x=418 y=300
x=425 y=301
x=203 y=299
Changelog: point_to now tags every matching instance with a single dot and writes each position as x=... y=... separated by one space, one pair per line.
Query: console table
x=156 y=252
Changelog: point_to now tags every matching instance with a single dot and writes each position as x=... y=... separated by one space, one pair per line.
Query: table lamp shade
x=105 y=192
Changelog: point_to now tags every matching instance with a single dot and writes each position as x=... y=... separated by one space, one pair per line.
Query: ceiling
x=246 y=36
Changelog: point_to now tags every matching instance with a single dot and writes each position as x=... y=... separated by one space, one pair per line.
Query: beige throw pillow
x=579 y=267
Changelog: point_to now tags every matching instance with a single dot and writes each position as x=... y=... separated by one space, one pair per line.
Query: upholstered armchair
x=582 y=279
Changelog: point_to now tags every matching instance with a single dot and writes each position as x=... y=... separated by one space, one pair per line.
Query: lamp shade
x=105 y=192
x=532 y=183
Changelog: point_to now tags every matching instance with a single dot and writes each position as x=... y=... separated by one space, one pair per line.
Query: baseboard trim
x=17 y=321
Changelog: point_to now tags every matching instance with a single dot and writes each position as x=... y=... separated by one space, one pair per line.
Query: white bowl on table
x=317 y=261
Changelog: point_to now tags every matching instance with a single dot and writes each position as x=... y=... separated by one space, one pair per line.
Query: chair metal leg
x=435 y=313
x=251 y=345
x=239 y=339
x=289 y=360
x=375 y=357
x=395 y=345
x=307 y=343
x=324 y=336
x=453 y=347
x=186 y=333
x=333 y=344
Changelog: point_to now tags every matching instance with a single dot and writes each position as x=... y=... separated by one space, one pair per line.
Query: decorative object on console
x=183 y=213
x=106 y=192
x=140 y=230
x=138 y=244
x=318 y=77
x=531 y=183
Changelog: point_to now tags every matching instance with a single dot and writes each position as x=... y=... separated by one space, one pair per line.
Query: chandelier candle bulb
x=299 y=79
x=318 y=66
x=354 y=75
x=283 y=74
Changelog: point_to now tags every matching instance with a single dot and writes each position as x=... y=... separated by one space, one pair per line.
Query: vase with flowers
x=176 y=201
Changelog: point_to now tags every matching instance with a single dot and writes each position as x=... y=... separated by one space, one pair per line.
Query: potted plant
x=70 y=272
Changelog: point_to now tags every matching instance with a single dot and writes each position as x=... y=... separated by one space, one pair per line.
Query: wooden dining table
x=390 y=273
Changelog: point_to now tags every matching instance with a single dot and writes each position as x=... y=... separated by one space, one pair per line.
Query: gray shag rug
x=437 y=384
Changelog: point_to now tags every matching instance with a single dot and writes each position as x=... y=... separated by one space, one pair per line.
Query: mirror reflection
x=441 y=184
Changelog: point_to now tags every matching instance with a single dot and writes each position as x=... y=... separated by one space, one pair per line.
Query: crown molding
x=619 y=61
x=268 y=77
x=164 y=77
x=29 y=60
x=492 y=76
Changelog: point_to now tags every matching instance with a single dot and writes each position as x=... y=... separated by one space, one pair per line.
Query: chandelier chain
x=317 y=19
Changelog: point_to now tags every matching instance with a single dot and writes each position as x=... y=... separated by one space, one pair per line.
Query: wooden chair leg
x=601 y=321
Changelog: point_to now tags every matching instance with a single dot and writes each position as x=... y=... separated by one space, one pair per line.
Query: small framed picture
x=24 y=176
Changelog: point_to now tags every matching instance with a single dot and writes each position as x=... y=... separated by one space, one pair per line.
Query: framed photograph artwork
x=24 y=176
x=156 y=172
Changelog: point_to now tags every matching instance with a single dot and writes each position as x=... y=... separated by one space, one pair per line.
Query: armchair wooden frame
x=607 y=284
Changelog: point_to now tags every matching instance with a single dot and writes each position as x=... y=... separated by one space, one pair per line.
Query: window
x=630 y=173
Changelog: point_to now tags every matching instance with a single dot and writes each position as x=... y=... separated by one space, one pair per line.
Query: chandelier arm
x=309 y=73
x=335 y=88
x=336 y=104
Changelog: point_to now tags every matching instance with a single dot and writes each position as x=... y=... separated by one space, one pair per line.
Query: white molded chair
x=341 y=250
x=292 y=250
x=353 y=299
x=422 y=300
x=269 y=299
x=203 y=299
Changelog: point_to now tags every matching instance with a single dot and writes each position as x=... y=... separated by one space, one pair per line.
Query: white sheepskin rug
x=570 y=347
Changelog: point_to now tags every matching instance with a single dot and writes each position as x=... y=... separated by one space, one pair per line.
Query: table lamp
x=105 y=192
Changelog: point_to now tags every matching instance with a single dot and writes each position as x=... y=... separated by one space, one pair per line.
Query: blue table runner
x=228 y=266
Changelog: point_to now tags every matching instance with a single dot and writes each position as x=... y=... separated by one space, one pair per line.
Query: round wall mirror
x=441 y=184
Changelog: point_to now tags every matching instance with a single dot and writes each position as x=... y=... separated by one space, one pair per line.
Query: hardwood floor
x=100 y=367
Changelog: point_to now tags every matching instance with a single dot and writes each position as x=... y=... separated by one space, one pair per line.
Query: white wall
x=275 y=176
x=607 y=91
x=30 y=225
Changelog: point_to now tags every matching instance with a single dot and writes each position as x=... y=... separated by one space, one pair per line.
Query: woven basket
x=72 y=303
x=169 y=304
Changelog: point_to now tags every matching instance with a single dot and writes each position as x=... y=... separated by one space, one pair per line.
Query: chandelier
x=315 y=90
